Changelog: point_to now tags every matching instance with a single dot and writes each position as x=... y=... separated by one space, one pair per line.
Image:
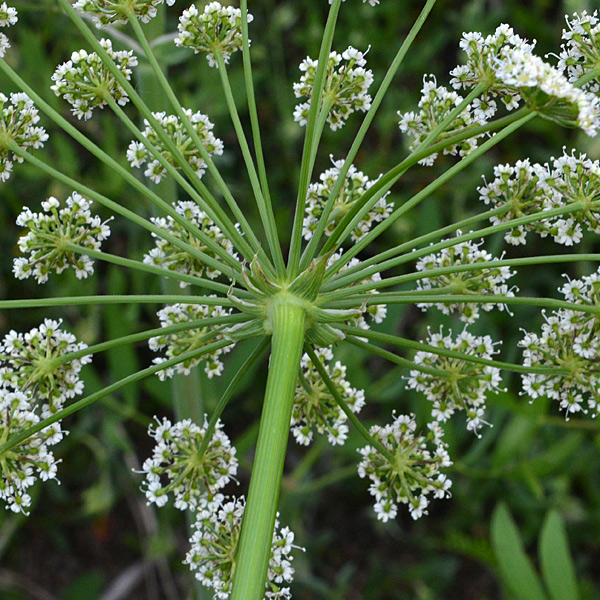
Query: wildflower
x=18 y=117
x=346 y=85
x=569 y=345
x=314 y=407
x=34 y=362
x=525 y=189
x=435 y=105
x=178 y=467
x=182 y=342
x=50 y=230
x=85 y=82
x=549 y=90
x=8 y=17
x=217 y=30
x=414 y=473
x=138 y=152
x=31 y=459
x=490 y=280
x=483 y=54
x=371 y=2
x=214 y=543
x=109 y=12
x=464 y=384
x=580 y=54
x=355 y=185
x=167 y=256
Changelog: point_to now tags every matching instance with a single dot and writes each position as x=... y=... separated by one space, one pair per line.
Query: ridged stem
x=287 y=320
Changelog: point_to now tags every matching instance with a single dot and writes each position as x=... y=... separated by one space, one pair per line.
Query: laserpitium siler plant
x=301 y=305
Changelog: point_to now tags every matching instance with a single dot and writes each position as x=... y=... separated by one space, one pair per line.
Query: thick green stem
x=288 y=324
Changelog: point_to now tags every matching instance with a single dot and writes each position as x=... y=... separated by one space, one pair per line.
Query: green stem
x=141 y=266
x=479 y=266
x=419 y=346
x=391 y=298
x=427 y=238
x=201 y=235
x=266 y=211
x=114 y=387
x=239 y=215
x=309 y=139
x=115 y=299
x=288 y=324
x=316 y=361
x=432 y=187
x=150 y=333
x=481 y=233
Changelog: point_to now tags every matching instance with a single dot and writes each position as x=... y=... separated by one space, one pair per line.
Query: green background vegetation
x=95 y=532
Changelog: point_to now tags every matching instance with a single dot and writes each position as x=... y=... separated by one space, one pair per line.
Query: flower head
x=50 y=230
x=109 y=12
x=167 y=256
x=355 y=185
x=182 y=342
x=217 y=30
x=435 y=105
x=569 y=346
x=138 y=153
x=85 y=82
x=488 y=280
x=524 y=189
x=18 y=117
x=31 y=459
x=315 y=407
x=413 y=474
x=177 y=465
x=462 y=383
x=214 y=544
x=33 y=362
x=8 y=17
x=346 y=85
x=580 y=54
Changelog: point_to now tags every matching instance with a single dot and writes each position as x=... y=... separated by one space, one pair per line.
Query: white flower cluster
x=569 y=345
x=167 y=256
x=33 y=363
x=23 y=464
x=525 y=189
x=436 y=103
x=217 y=30
x=182 y=342
x=108 y=12
x=355 y=185
x=486 y=280
x=44 y=243
x=177 y=467
x=580 y=54
x=414 y=472
x=138 y=153
x=506 y=64
x=18 y=117
x=215 y=541
x=8 y=17
x=346 y=85
x=85 y=82
x=314 y=406
x=463 y=385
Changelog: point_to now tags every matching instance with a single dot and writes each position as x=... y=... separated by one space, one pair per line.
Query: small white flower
x=108 y=12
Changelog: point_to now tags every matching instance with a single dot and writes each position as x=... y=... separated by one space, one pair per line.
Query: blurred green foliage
x=95 y=530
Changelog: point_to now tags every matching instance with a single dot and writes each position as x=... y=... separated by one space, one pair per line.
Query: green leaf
x=557 y=564
x=515 y=567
